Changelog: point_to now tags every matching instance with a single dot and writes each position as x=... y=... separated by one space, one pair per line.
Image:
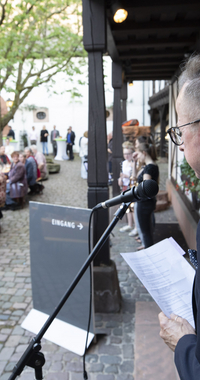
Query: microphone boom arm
x=32 y=357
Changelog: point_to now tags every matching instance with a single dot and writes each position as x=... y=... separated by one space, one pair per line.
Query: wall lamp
x=119 y=13
x=9 y=103
x=130 y=83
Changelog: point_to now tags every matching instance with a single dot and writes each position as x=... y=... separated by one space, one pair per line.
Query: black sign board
x=59 y=247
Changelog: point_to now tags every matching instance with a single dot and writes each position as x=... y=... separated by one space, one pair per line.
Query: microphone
x=145 y=190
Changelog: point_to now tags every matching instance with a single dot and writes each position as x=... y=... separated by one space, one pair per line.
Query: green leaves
x=38 y=39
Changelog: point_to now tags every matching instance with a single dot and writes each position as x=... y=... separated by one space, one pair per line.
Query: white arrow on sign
x=80 y=226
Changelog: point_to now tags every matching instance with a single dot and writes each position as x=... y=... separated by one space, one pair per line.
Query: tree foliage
x=38 y=39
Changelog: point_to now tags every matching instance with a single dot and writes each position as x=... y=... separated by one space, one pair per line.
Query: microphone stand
x=32 y=356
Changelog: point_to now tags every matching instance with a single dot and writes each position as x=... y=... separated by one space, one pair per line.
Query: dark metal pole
x=35 y=343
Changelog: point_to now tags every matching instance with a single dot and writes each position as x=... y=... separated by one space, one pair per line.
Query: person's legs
x=130 y=219
x=70 y=152
x=43 y=148
x=67 y=149
x=137 y=222
x=46 y=147
x=144 y=215
x=54 y=148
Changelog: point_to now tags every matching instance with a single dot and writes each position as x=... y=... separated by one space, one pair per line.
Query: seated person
x=41 y=161
x=16 y=187
x=4 y=159
x=31 y=172
x=9 y=149
x=22 y=157
x=2 y=192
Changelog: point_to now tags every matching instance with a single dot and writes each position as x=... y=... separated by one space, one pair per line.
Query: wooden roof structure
x=155 y=38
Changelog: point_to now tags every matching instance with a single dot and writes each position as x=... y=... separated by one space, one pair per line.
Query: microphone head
x=147 y=189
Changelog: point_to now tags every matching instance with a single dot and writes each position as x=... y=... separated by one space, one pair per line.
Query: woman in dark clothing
x=16 y=187
x=146 y=154
x=44 y=139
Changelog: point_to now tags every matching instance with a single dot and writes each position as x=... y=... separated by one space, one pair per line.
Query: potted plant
x=190 y=182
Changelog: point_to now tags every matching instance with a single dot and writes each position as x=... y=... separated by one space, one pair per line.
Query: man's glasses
x=176 y=134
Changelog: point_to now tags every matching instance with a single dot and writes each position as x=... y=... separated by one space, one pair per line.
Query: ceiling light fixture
x=130 y=83
x=119 y=13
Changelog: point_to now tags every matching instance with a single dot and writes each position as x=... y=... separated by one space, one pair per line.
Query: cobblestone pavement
x=112 y=356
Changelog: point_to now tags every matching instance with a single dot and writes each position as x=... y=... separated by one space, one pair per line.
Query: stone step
x=162 y=196
x=153 y=359
x=161 y=205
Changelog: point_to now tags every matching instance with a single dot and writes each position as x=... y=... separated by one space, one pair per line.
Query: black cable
x=85 y=376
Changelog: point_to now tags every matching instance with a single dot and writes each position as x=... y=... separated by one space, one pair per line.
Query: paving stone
x=6 y=353
x=110 y=350
x=127 y=366
x=111 y=369
x=128 y=351
x=105 y=377
x=96 y=367
x=112 y=357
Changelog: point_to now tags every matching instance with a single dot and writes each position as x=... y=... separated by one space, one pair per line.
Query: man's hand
x=173 y=329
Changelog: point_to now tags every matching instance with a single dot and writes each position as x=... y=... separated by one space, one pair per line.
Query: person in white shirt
x=83 y=153
x=127 y=176
x=9 y=149
x=33 y=137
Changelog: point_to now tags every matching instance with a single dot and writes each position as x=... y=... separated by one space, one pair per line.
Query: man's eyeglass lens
x=176 y=135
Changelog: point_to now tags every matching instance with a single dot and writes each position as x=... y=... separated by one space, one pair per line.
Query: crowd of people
x=24 y=171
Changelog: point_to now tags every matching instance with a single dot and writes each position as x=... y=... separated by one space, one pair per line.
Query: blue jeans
x=45 y=147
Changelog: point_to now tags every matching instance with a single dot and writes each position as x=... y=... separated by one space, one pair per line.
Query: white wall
x=63 y=111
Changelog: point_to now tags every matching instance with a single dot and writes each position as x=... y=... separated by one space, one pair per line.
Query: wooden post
x=124 y=99
x=163 y=123
x=106 y=287
x=117 y=125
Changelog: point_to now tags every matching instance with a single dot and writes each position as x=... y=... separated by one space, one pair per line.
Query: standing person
x=83 y=153
x=44 y=139
x=11 y=133
x=54 y=134
x=33 y=136
x=109 y=150
x=146 y=154
x=70 y=142
x=128 y=171
x=176 y=332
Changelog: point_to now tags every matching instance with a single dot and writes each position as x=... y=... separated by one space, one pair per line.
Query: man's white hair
x=33 y=147
x=191 y=78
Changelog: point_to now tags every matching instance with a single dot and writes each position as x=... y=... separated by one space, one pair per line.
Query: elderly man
x=70 y=142
x=41 y=162
x=31 y=172
x=176 y=332
x=54 y=134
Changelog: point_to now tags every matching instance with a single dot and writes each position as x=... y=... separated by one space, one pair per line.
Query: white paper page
x=166 y=275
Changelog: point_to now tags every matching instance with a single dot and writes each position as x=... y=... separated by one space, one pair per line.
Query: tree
x=38 y=39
